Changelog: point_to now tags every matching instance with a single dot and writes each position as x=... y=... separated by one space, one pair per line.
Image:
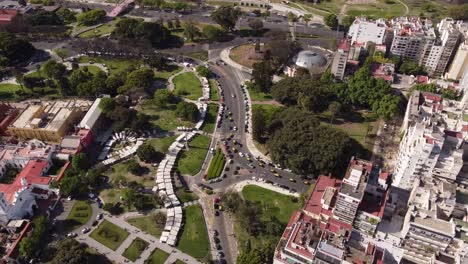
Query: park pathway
x=116 y=256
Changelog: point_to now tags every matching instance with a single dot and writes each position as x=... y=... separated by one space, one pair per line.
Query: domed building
x=310 y=59
x=314 y=60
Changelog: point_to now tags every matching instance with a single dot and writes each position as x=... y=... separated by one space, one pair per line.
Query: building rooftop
x=314 y=204
x=310 y=59
x=435 y=225
x=91 y=116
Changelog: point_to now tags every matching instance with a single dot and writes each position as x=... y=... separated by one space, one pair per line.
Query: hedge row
x=216 y=165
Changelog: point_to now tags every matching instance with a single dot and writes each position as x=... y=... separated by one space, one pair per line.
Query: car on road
x=72 y=235
x=233 y=95
x=251 y=166
x=85 y=230
x=284 y=186
x=218 y=247
x=220 y=254
x=268 y=181
x=241 y=154
x=215 y=232
x=69 y=198
x=306 y=182
x=292 y=180
x=261 y=165
x=272 y=171
x=216 y=213
x=277 y=175
x=99 y=216
x=95 y=223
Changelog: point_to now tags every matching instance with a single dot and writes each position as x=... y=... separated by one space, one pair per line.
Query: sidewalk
x=116 y=256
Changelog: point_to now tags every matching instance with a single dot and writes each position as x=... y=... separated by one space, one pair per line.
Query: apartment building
x=460 y=62
x=432 y=141
x=338 y=67
x=322 y=231
x=48 y=121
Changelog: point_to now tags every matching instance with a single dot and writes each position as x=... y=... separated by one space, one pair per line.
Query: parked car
x=85 y=230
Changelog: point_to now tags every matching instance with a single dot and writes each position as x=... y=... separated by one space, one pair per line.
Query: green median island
x=135 y=249
x=109 y=235
x=157 y=257
x=79 y=214
x=216 y=165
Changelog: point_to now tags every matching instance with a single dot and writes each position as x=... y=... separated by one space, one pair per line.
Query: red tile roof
x=7 y=15
x=314 y=204
x=453 y=134
x=32 y=172
x=384 y=175
x=344 y=44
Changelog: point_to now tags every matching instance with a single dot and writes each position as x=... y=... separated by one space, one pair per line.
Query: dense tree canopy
x=163 y=98
x=305 y=146
x=91 y=17
x=226 y=16
x=14 y=50
x=213 y=33
x=30 y=244
x=331 y=20
x=69 y=251
x=138 y=79
x=43 y=17
x=410 y=67
x=187 y=111
x=147 y=153
x=154 y=32
x=459 y=12
x=262 y=75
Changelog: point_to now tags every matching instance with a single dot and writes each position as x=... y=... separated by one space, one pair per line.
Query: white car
x=233 y=95
x=69 y=198
x=241 y=154
x=85 y=230
x=254 y=178
x=71 y=235
x=234 y=128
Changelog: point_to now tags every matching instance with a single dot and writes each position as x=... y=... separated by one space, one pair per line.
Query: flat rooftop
x=438 y=226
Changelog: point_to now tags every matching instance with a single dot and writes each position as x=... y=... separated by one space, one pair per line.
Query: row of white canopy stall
x=164 y=186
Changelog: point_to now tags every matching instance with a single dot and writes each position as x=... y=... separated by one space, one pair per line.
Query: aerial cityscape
x=234 y=131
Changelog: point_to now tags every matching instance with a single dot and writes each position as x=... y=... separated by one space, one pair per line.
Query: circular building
x=310 y=60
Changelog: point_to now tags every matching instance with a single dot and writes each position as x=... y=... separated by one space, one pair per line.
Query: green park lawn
x=194 y=240
x=162 y=144
x=164 y=119
x=259 y=96
x=214 y=96
x=8 y=90
x=119 y=172
x=157 y=257
x=185 y=196
x=135 y=249
x=200 y=55
x=216 y=165
x=380 y=8
x=79 y=214
x=146 y=224
x=99 y=31
x=170 y=70
x=273 y=203
x=190 y=162
x=93 y=69
x=116 y=66
x=210 y=119
x=187 y=85
x=109 y=235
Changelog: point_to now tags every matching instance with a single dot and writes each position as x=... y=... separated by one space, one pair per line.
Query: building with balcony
x=338 y=67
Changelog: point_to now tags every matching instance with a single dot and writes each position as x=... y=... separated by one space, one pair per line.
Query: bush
x=135 y=168
x=203 y=71
x=216 y=165
x=91 y=17
x=187 y=111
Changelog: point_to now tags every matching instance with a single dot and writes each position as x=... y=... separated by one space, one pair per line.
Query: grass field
x=380 y=8
x=162 y=144
x=214 y=96
x=185 y=196
x=93 y=69
x=120 y=171
x=240 y=54
x=157 y=257
x=430 y=8
x=164 y=119
x=79 y=214
x=116 y=66
x=273 y=203
x=201 y=55
x=187 y=85
x=194 y=240
x=109 y=235
x=135 y=249
x=99 y=31
x=8 y=90
x=146 y=224
x=259 y=96
x=216 y=165
x=170 y=70
x=190 y=161
x=110 y=195
x=210 y=119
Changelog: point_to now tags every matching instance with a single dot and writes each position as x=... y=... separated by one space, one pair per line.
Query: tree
x=387 y=106
x=163 y=97
x=449 y=94
x=213 y=33
x=291 y=17
x=203 y=71
x=19 y=76
x=281 y=51
x=347 y=21
x=307 y=18
x=432 y=88
x=14 y=49
x=187 y=111
x=30 y=244
x=226 y=16
x=62 y=53
x=305 y=146
x=66 y=15
x=141 y=78
x=53 y=70
x=43 y=17
x=258 y=124
x=80 y=162
x=262 y=74
x=69 y=251
x=410 y=67
x=128 y=196
x=256 y=25
x=170 y=24
x=79 y=76
x=91 y=17
x=331 y=20
x=177 y=23
x=134 y=167
x=302 y=72
x=157 y=61
x=191 y=31
x=334 y=108
x=107 y=105
x=159 y=219
x=147 y=153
